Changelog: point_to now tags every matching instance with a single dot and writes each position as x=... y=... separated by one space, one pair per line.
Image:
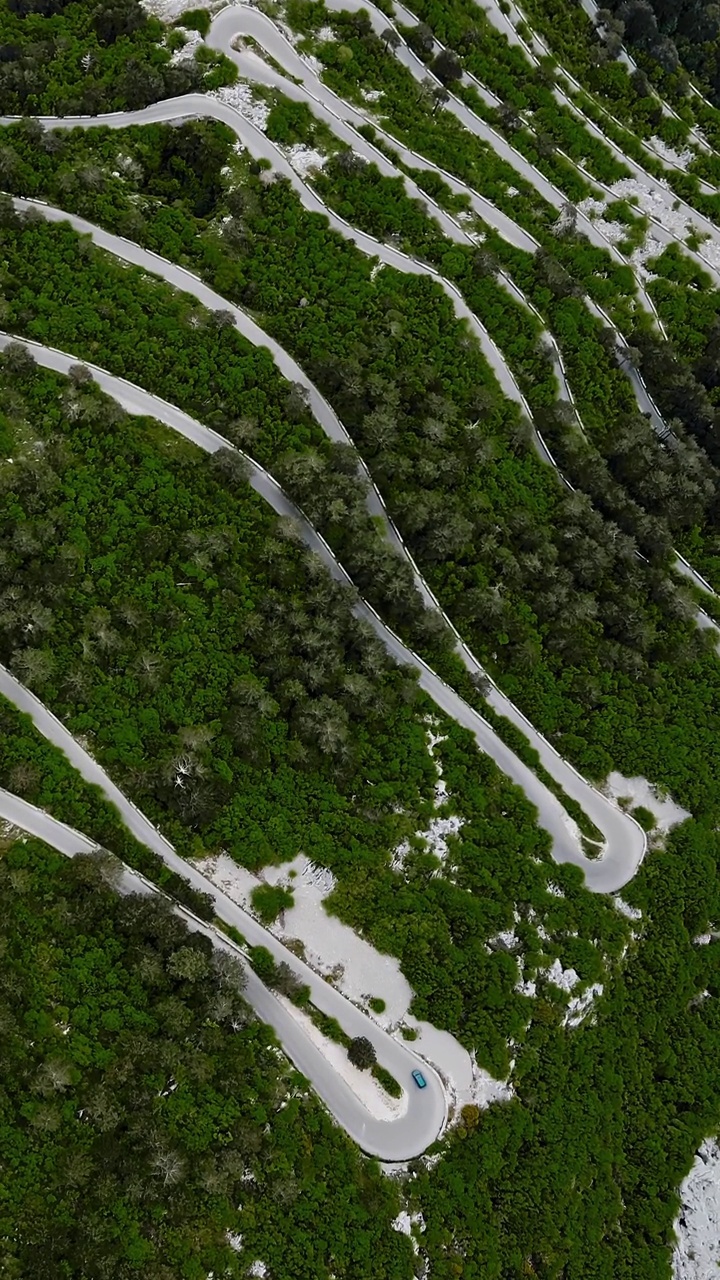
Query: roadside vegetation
x=149 y=1126
x=180 y=630
x=83 y=58
x=546 y=589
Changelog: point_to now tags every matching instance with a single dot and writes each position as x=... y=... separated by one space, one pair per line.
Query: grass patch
x=386 y=1081
x=645 y=817
x=195 y=20
x=269 y=900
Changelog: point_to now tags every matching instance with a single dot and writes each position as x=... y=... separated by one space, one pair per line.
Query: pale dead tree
x=91 y=177
x=567 y=221
x=149 y=666
x=188 y=963
x=38 y=618
x=76 y=1168
x=23 y=777
x=242 y=431
x=222 y=320
x=232 y=467
x=131 y=614
x=181 y=769
x=290 y=529
x=222 y=1007
x=34 y=666
x=249 y=692
x=80 y=375
x=326 y=722
x=54 y=1076
x=297 y=403
x=102 y=1111
x=194 y=737
x=46 y=1118
x=25 y=541
x=78 y=681
x=286 y=1190
x=110 y=867
x=440 y=97
x=169 y=1166
x=380 y=428
x=230 y=970
x=212 y=541
x=98 y=623
x=426 y=91
x=213 y=1180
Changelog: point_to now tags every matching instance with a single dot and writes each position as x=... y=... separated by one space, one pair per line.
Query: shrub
x=195 y=20
x=362 y=1053
x=268 y=900
x=645 y=817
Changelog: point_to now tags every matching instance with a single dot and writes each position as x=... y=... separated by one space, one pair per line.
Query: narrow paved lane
x=625 y=841
x=391 y=1140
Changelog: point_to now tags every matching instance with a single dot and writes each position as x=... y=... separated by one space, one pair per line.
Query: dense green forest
x=615 y=684
x=82 y=58
x=150 y=1127
x=546 y=134
x=607 y=1116
x=671 y=32
x=229 y=690
x=215 y=666
x=673 y=44
x=33 y=769
x=597 y=1108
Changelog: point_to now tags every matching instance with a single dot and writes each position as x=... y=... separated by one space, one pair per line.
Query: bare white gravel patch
x=242 y=98
x=565 y=979
x=439 y=829
x=357 y=970
x=405 y=1222
x=631 y=913
x=169 y=10
x=667 y=813
x=526 y=987
x=305 y=160
x=193 y=40
x=579 y=1006
x=332 y=948
x=506 y=939
x=666 y=152
x=697 y=1252
x=316 y=66
x=165 y=10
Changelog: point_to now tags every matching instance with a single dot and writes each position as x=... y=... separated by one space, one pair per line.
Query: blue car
x=419 y=1079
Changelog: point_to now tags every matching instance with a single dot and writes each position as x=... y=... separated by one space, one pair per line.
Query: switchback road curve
x=394 y=1140
x=625 y=841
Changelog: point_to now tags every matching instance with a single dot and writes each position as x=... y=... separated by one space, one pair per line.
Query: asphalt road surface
x=391 y=1140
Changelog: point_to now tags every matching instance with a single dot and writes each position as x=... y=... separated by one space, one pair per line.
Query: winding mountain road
x=345 y=119
x=182 y=279
x=625 y=841
x=400 y=1138
x=259 y=145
